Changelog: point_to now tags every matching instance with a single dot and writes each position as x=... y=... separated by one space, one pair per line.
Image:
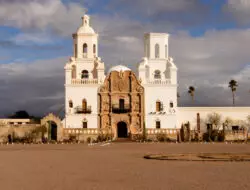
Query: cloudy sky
x=209 y=41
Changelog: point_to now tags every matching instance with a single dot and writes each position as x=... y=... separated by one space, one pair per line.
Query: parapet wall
x=17 y=131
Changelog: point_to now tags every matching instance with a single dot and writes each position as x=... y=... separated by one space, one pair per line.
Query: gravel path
x=118 y=166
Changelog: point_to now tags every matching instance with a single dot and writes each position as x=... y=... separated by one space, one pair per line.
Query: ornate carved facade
x=121 y=104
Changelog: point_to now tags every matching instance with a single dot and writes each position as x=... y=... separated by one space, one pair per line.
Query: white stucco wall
x=164 y=94
x=77 y=93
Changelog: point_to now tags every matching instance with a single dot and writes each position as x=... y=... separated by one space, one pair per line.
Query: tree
x=178 y=96
x=248 y=122
x=233 y=84
x=248 y=119
x=214 y=119
x=21 y=114
x=228 y=121
x=191 y=91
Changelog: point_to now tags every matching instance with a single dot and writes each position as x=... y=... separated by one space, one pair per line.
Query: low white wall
x=186 y=114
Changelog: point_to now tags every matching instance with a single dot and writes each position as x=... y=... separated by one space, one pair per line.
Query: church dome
x=85 y=28
x=119 y=68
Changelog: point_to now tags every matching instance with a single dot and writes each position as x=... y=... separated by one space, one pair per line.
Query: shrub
x=221 y=137
x=89 y=140
x=103 y=137
x=72 y=139
x=52 y=142
x=138 y=137
x=216 y=136
x=162 y=137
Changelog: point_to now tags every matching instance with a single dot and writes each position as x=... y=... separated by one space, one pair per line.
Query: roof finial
x=85 y=20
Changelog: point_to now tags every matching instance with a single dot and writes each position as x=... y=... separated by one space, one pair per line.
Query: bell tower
x=84 y=73
x=158 y=74
x=85 y=40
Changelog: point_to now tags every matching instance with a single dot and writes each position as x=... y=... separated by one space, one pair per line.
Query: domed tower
x=85 y=40
x=84 y=73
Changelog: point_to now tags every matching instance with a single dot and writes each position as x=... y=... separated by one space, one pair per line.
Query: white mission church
x=123 y=101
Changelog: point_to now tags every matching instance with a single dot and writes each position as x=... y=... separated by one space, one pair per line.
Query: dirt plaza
x=118 y=166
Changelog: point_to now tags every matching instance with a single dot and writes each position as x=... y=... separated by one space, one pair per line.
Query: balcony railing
x=84 y=81
x=159 y=81
x=116 y=108
x=80 y=109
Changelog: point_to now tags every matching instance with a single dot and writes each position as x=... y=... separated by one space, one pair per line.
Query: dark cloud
x=37 y=87
x=10 y=44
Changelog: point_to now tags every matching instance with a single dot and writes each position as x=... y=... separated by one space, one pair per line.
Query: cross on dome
x=85 y=28
x=85 y=20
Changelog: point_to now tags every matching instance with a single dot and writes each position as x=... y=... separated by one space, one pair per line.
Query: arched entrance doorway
x=122 y=130
x=52 y=130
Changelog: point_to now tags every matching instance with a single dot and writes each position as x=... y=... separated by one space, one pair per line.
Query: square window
x=84 y=125
x=158 y=124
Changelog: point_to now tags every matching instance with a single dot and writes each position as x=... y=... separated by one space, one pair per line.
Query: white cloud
x=239 y=5
x=41 y=15
x=33 y=38
x=220 y=53
x=239 y=9
x=243 y=75
x=126 y=39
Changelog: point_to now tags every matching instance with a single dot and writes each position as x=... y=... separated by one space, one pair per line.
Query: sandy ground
x=118 y=166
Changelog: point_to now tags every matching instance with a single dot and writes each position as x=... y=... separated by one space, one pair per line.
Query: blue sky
x=209 y=42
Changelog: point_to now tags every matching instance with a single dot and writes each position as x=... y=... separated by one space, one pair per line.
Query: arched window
x=166 y=51
x=84 y=104
x=85 y=74
x=159 y=106
x=171 y=104
x=157 y=51
x=157 y=74
x=73 y=72
x=157 y=124
x=71 y=104
x=94 y=49
x=85 y=50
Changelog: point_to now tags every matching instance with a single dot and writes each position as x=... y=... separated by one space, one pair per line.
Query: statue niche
x=105 y=103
